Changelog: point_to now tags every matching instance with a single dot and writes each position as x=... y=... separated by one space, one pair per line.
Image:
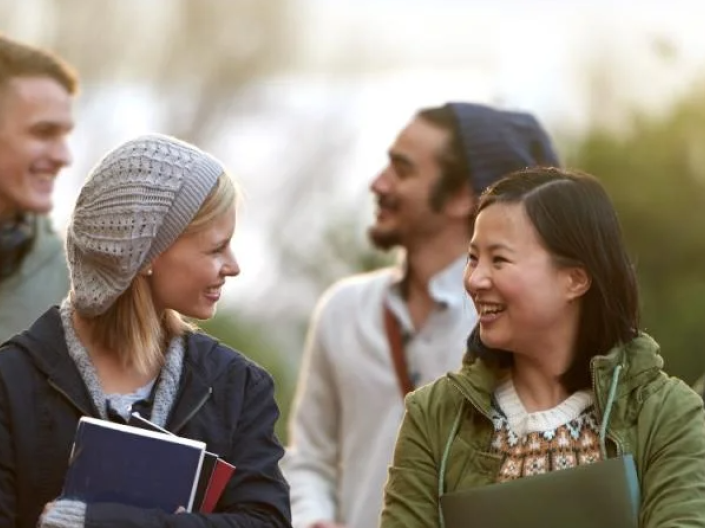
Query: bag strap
x=396 y=349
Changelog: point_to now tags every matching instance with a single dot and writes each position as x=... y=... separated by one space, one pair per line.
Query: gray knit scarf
x=169 y=377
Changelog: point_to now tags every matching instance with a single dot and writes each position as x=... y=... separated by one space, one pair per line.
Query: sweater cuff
x=65 y=514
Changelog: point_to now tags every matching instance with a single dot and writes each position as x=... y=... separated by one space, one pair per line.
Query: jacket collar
x=640 y=362
x=639 y=359
x=200 y=372
x=45 y=344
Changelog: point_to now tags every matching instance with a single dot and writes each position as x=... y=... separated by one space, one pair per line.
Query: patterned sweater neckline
x=521 y=422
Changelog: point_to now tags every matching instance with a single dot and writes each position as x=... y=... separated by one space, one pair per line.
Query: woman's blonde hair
x=132 y=327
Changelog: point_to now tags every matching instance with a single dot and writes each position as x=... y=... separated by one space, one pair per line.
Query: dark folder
x=600 y=495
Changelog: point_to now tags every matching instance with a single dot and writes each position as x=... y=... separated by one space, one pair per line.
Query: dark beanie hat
x=497 y=142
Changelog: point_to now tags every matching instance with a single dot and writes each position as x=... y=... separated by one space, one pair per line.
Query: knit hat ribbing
x=497 y=142
x=134 y=204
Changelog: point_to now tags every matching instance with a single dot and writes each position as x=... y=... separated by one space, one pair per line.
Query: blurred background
x=301 y=98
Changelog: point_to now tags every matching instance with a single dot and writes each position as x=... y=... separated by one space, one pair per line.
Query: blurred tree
x=196 y=56
x=339 y=251
x=655 y=173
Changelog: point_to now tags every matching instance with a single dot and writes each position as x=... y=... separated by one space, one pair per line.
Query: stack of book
x=141 y=464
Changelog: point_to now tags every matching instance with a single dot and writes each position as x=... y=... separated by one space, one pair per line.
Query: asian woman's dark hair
x=577 y=223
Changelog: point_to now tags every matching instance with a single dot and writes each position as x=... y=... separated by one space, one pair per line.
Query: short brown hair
x=455 y=172
x=22 y=60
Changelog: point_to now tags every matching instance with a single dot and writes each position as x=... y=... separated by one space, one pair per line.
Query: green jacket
x=41 y=282
x=699 y=385
x=656 y=418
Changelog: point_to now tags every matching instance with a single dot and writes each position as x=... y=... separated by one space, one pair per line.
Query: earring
x=149 y=272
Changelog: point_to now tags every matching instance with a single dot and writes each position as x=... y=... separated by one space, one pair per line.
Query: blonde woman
x=148 y=244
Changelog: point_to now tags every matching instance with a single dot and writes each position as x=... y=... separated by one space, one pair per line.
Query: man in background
x=36 y=93
x=375 y=336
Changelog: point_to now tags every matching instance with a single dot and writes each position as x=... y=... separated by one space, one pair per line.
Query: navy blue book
x=112 y=462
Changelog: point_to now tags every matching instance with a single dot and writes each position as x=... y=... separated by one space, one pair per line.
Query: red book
x=220 y=476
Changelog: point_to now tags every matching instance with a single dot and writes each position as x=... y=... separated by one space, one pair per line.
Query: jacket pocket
x=468 y=466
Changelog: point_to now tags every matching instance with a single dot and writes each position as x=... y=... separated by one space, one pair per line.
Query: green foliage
x=655 y=175
x=252 y=339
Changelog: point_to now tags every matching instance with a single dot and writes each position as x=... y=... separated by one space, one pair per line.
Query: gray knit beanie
x=134 y=204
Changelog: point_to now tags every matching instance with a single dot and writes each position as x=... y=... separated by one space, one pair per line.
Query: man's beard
x=381 y=238
x=384 y=240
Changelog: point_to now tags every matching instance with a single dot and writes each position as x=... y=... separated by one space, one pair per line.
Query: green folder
x=600 y=495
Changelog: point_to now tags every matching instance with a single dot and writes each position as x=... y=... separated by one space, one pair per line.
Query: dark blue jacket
x=224 y=400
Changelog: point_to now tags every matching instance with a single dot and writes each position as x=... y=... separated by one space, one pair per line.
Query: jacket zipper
x=68 y=398
x=469 y=397
x=608 y=435
x=193 y=412
x=83 y=411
